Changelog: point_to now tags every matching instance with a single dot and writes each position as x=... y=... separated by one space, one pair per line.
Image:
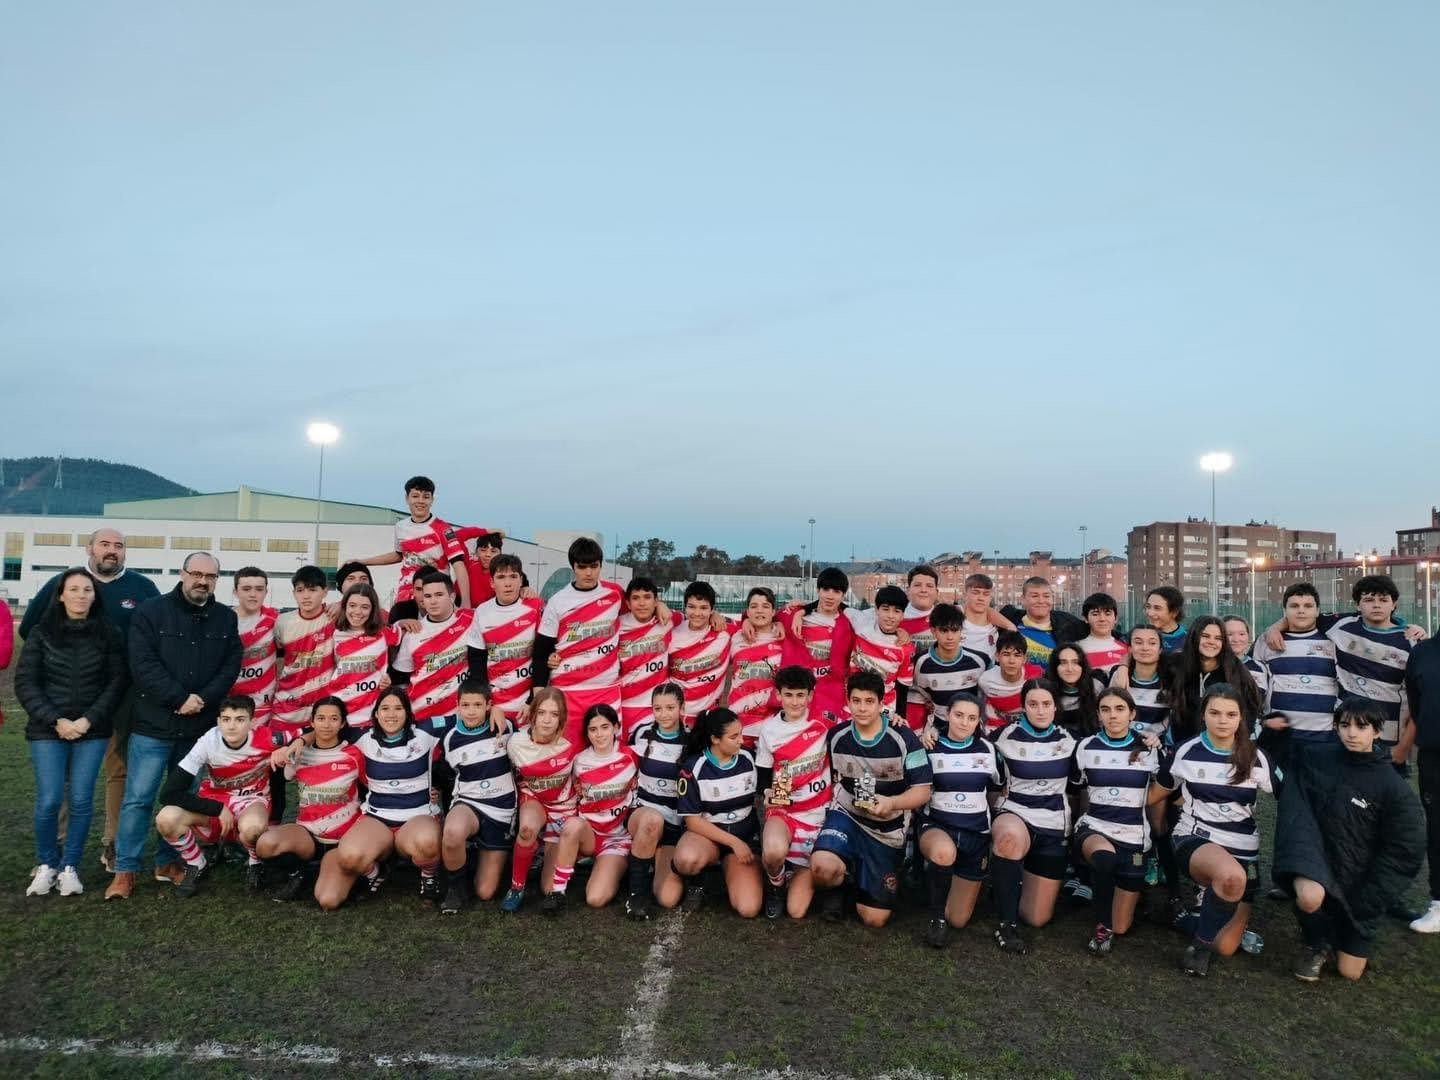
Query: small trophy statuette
x=865 y=792
x=780 y=790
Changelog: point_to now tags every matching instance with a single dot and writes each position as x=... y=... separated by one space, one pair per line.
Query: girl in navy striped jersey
x=718 y=785
x=1033 y=819
x=654 y=824
x=1112 y=773
x=1144 y=675
x=955 y=825
x=1219 y=775
x=1207 y=660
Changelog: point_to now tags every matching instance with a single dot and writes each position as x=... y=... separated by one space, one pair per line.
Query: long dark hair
x=373 y=624
x=1185 y=674
x=55 y=617
x=652 y=730
x=404 y=699
x=710 y=724
x=1089 y=705
x=1243 y=754
x=331 y=699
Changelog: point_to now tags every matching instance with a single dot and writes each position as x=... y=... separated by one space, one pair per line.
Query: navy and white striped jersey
x=1152 y=712
x=1213 y=806
x=896 y=760
x=1039 y=765
x=658 y=756
x=723 y=795
x=397 y=774
x=483 y=777
x=1303 y=686
x=1118 y=787
x=1370 y=663
x=964 y=773
x=937 y=681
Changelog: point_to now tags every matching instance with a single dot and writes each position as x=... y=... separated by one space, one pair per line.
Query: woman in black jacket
x=1349 y=838
x=70 y=679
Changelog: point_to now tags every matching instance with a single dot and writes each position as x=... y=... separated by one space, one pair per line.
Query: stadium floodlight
x=1215 y=462
x=322 y=433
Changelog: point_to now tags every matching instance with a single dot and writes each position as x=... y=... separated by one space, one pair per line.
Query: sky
x=941 y=276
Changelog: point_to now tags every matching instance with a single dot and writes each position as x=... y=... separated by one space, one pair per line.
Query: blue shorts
x=1186 y=846
x=873 y=867
x=972 y=850
x=1047 y=855
x=1129 y=859
x=492 y=835
x=671 y=833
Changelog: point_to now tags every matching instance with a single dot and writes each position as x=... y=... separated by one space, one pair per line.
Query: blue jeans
x=55 y=760
x=148 y=762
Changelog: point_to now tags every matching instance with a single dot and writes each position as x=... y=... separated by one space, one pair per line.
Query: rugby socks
x=427 y=870
x=251 y=859
x=1214 y=914
x=520 y=864
x=1102 y=881
x=938 y=879
x=1005 y=877
x=639 y=874
x=188 y=848
x=1165 y=855
x=1314 y=927
x=562 y=878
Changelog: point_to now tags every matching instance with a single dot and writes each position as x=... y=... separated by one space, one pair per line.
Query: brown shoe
x=122 y=886
x=170 y=874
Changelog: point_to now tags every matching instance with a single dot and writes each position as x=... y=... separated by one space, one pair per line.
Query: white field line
x=642 y=1019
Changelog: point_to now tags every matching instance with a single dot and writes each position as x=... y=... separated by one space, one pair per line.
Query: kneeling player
x=795 y=776
x=955 y=826
x=542 y=757
x=881 y=773
x=233 y=801
x=398 y=814
x=604 y=789
x=483 y=801
x=717 y=805
x=328 y=773
x=654 y=823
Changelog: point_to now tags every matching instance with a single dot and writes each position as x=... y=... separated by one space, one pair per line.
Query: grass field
x=226 y=985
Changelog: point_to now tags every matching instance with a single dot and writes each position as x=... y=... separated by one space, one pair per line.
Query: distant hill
x=27 y=485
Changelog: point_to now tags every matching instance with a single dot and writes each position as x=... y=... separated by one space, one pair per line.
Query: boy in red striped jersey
x=922 y=589
x=699 y=653
x=878 y=646
x=792 y=745
x=1003 y=683
x=256 y=622
x=481 y=547
x=508 y=622
x=577 y=646
x=1100 y=646
x=305 y=640
x=432 y=664
x=819 y=638
x=754 y=660
x=644 y=654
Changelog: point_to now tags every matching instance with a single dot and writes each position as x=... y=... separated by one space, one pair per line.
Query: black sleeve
x=1013 y=613
x=228 y=669
x=398 y=677
x=476 y=658
x=540 y=661
x=117 y=675
x=1068 y=628
x=176 y=792
x=902 y=697
x=37 y=607
x=764 y=778
x=30 y=683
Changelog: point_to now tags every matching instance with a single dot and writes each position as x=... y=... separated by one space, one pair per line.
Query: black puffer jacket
x=1351 y=823
x=178 y=649
x=76 y=670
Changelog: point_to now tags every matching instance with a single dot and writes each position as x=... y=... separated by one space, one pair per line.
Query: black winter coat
x=178 y=649
x=1351 y=823
x=72 y=671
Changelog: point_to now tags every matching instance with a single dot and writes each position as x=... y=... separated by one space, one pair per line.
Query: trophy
x=780 y=790
x=865 y=792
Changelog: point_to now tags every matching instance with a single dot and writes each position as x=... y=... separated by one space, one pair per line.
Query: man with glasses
x=121 y=592
x=184 y=657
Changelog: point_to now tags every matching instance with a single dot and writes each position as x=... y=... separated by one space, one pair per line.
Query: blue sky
x=939 y=275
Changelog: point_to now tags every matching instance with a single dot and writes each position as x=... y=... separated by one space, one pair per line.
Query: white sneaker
x=1429 y=923
x=42 y=882
x=70 y=882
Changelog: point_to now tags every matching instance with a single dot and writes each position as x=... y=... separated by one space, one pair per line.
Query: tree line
x=656 y=559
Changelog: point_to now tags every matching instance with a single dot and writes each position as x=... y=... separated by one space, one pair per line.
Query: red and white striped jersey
x=877 y=651
x=1104 y=654
x=752 y=681
x=424 y=545
x=544 y=770
x=257 y=661
x=509 y=633
x=916 y=623
x=644 y=664
x=823 y=645
x=230 y=772
x=307 y=663
x=329 y=782
x=360 y=661
x=437 y=660
x=605 y=788
x=802 y=747
x=1002 y=699
x=980 y=637
x=586 y=629
x=698 y=661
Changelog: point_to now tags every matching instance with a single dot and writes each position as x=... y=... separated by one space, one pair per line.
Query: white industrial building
x=247 y=527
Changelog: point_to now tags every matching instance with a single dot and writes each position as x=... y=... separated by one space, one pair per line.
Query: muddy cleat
x=292 y=889
x=1196 y=960
x=936 y=933
x=454 y=900
x=774 y=901
x=513 y=899
x=552 y=904
x=1101 y=941
x=121 y=886
x=189 y=881
x=1310 y=964
x=255 y=877
x=637 y=906
x=170 y=874
x=1007 y=936
x=694 y=899
x=429 y=889
x=832 y=906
